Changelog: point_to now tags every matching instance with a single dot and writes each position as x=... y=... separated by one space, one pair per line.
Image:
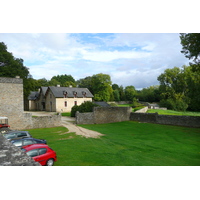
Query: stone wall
x=102 y=115
x=85 y=118
x=189 y=121
x=12 y=106
x=29 y=122
x=11 y=155
x=11 y=99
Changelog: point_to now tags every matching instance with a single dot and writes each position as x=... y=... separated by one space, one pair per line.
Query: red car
x=41 y=153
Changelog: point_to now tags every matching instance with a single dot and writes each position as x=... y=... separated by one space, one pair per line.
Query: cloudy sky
x=129 y=58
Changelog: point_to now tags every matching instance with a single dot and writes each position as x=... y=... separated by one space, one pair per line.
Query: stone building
x=58 y=99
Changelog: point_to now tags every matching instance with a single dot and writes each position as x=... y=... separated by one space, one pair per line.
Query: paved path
x=69 y=122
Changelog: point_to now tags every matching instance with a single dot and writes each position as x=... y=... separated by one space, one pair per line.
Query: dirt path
x=69 y=122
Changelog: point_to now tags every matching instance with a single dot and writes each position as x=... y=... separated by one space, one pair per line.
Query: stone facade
x=11 y=100
x=11 y=155
x=12 y=106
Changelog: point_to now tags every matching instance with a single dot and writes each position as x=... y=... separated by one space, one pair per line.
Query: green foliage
x=130 y=92
x=74 y=109
x=99 y=85
x=11 y=66
x=150 y=94
x=84 y=107
x=191 y=46
x=113 y=104
x=172 y=112
x=180 y=88
x=64 y=80
x=177 y=104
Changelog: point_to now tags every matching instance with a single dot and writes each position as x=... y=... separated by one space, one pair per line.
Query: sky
x=129 y=58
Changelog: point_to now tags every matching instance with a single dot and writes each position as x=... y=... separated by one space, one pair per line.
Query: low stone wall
x=26 y=121
x=102 y=115
x=44 y=122
x=189 y=121
x=85 y=118
x=11 y=155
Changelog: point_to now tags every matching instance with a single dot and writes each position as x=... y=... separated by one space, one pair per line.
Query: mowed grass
x=125 y=144
x=173 y=112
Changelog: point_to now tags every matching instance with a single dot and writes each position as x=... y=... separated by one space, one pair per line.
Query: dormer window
x=84 y=94
x=75 y=93
x=65 y=94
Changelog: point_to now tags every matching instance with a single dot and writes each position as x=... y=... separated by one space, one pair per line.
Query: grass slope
x=125 y=144
x=172 y=112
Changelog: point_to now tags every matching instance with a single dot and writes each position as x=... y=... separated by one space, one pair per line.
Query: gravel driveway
x=69 y=122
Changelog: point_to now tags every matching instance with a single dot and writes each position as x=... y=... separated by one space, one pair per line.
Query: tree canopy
x=11 y=66
x=191 y=46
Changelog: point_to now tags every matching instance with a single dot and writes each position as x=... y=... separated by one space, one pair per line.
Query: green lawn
x=68 y=114
x=172 y=112
x=125 y=144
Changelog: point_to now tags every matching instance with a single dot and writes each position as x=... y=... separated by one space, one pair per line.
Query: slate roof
x=58 y=92
x=102 y=103
x=33 y=95
x=44 y=89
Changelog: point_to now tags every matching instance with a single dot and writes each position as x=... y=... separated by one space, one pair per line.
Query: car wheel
x=50 y=162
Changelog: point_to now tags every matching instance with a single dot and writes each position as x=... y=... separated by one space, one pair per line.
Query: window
x=75 y=93
x=84 y=94
x=21 y=134
x=27 y=142
x=65 y=103
x=17 y=143
x=32 y=153
x=65 y=94
x=42 y=151
x=75 y=103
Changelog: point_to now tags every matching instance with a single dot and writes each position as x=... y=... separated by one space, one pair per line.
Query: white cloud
x=130 y=59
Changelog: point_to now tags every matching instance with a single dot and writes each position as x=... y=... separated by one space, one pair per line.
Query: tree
x=62 y=79
x=100 y=86
x=180 y=88
x=130 y=92
x=191 y=46
x=11 y=66
x=149 y=94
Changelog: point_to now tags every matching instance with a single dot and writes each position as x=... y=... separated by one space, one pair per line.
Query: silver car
x=16 y=134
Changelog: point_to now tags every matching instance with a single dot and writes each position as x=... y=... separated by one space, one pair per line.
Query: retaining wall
x=189 y=121
x=102 y=115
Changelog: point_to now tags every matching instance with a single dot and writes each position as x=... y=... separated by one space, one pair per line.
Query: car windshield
x=9 y=136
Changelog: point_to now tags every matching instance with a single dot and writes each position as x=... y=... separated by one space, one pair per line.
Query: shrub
x=73 y=110
x=84 y=107
x=171 y=104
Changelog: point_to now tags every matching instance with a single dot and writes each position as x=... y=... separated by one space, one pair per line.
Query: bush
x=84 y=107
x=73 y=111
x=177 y=105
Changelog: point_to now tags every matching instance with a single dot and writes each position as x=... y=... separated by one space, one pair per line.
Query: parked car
x=27 y=141
x=41 y=153
x=16 y=134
